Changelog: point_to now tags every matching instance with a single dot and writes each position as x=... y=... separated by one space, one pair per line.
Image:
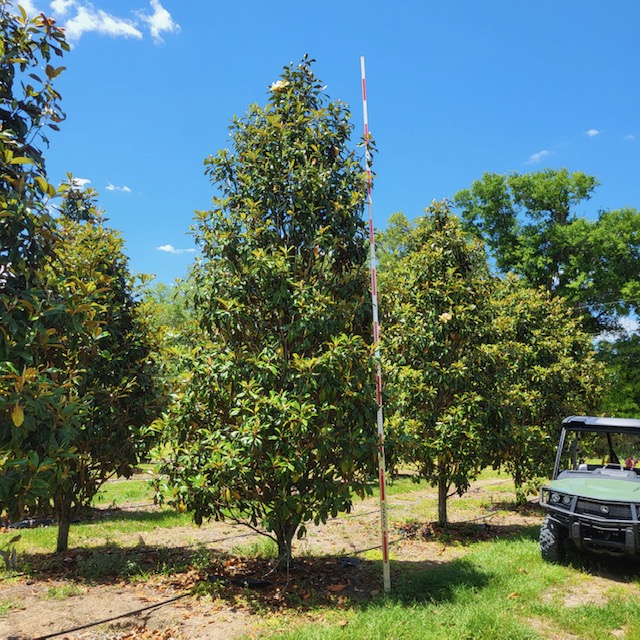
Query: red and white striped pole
x=384 y=522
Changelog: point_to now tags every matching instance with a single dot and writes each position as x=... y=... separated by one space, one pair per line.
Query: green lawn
x=500 y=590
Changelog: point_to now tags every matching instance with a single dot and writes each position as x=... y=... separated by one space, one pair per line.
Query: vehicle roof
x=600 y=423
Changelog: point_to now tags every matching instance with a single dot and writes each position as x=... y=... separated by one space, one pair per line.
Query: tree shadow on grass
x=423 y=581
x=466 y=533
x=112 y=563
x=157 y=517
x=252 y=583
x=616 y=568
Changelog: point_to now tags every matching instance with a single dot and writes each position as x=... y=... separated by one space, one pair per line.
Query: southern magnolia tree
x=120 y=386
x=28 y=105
x=440 y=378
x=44 y=329
x=545 y=370
x=482 y=370
x=66 y=317
x=275 y=426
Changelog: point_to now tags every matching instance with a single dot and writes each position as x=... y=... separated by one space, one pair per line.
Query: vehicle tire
x=551 y=541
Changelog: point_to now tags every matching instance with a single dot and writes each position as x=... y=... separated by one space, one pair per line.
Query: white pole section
x=384 y=522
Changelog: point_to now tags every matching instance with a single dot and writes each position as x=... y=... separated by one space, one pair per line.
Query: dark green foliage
x=545 y=370
x=120 y=383
x=481 y=370
x=621 y=359
x=530 y=224
x=44 y=330
x=441 y=379
x=276 y=423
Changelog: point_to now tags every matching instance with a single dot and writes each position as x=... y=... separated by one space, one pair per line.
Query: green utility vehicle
x=593 y=499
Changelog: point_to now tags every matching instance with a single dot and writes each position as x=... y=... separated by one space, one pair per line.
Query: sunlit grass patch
x=8 y=605
x=118 y=526
x=62 y=592
x=261 y=547
x=499 y=589
x=119 y=493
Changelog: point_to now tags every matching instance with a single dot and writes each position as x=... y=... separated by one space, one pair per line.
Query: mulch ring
x=307 y=583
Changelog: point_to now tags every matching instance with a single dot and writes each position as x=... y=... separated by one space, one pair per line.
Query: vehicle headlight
x=555 y=498
x=566 y=500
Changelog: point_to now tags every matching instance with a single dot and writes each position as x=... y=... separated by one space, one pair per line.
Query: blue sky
x=455 y=88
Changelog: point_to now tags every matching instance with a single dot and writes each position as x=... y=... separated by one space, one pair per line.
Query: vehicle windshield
x=590 y=450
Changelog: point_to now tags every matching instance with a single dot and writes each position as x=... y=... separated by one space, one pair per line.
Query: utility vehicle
x=593 y=498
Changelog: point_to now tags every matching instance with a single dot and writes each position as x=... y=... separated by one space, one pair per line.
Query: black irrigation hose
x=123 y=615
x=163 y=603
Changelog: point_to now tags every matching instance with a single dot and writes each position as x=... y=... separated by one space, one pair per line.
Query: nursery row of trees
x=257 y=379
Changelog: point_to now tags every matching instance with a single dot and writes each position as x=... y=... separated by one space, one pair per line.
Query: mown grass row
x=498 y=590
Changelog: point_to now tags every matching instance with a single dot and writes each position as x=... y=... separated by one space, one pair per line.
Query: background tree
x=531 y=226
x=440 y=379
x=173 y=321
x=621 y=360
x=120 y=384
x=276 y=423
x=545 y=370
x=391 y=244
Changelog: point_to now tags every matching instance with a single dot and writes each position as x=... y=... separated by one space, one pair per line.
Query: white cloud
x=83 y=17
x=538 y=157
x=169 y=248
x=89 y=19
x=592 y=132
x=630 y=138
x=80 y=183
x=28 y=5
x=159 y=22
x=113 y=187
x=61 y=7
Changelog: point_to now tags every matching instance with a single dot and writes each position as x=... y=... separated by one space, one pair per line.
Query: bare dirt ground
x=229 y=596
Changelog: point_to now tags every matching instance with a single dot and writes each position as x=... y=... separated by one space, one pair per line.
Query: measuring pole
x=384 y=522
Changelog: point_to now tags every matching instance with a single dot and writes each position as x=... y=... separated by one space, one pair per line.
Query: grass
x=263 y=547
x=63 y=592
x=116 y=492
x=498 y=590
x=6 y=606
x=117 y=527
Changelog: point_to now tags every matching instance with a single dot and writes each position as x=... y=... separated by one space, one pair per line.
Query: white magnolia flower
x=280 y=85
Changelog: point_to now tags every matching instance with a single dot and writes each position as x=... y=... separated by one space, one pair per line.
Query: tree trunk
x=284 y=536
x=64 y=523
x=62 y=506
x=443 y=491
x=521 y=497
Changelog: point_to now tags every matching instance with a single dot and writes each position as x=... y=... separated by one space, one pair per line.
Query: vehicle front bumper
x=594 y=525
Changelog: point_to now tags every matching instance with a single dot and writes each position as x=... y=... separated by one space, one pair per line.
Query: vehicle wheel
x=551 y=541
